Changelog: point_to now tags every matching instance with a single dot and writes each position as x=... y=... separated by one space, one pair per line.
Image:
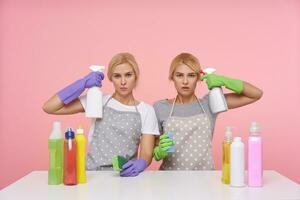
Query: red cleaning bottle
x=70 y=158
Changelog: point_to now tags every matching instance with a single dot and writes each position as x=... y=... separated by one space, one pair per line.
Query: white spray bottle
x=94 y=97
x=216 y=98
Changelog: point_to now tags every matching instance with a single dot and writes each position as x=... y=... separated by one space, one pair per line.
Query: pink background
x=45 y=45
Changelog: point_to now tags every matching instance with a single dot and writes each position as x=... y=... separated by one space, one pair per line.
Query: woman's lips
x=185 y=88
x=123 y=88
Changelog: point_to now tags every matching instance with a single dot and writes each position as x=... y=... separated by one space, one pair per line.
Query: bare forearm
x=146 y=151
x=249 y=95
x=55 y=106
x=251 y=91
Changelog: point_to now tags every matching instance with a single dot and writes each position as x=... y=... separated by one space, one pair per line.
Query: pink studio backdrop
x=45 y=45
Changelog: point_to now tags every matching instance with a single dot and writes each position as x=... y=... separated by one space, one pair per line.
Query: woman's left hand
x=133 y=167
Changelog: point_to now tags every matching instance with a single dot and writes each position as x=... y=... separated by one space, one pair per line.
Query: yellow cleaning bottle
x=80 y=155
x=226 y=156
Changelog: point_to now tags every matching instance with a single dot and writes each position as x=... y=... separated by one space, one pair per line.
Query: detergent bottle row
x=233 y=161
x=66 y=156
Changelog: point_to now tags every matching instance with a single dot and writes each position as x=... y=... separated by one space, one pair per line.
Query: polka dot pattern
x=117 y=133
x=193 y=136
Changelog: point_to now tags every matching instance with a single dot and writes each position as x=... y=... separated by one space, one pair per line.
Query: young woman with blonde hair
x=126 y=123
x=190 y=119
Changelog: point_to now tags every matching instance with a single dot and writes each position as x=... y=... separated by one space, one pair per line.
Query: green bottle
x=55 y=146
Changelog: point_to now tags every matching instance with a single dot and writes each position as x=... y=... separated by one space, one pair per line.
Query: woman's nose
x=123 y=81
x=185 y=80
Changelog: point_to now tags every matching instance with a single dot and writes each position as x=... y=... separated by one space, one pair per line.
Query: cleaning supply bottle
x=70 y=158
x=55 y=146
x=94 y=98
x=255 y=168
x=226 y=156
x=216 y=98
x=237 y=163
x=80 y=155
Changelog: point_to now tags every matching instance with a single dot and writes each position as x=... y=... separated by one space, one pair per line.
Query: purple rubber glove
x=71 y=92
x=133 y=167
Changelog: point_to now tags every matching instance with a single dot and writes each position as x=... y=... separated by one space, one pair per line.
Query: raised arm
x=244 y=93
x=66 y=101
x=55 y=106
x=249 y=95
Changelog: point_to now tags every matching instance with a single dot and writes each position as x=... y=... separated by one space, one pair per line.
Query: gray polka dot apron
x=117 y=133
x=192 y=136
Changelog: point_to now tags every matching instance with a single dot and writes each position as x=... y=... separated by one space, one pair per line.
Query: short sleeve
x=149 y=121
x=159 y=121
x=82 y=100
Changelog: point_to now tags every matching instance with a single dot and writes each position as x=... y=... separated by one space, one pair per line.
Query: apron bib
x=193 y=136
x=117 y=133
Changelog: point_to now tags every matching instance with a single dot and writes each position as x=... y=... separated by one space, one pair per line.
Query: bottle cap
x=79 y=130
x=69 y=134
x=56 y=131
x=237 y=139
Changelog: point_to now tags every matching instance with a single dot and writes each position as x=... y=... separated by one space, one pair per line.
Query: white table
x=154 y=185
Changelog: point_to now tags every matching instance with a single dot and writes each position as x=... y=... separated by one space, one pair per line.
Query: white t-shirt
x=148 y=117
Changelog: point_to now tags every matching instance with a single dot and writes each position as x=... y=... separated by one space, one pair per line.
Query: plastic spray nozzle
x=209 y=70
x=237 y=139
x=228 y=133
x=254 y=128
x=97 y=68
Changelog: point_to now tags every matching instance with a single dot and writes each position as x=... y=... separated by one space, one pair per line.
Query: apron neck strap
x=173 y=105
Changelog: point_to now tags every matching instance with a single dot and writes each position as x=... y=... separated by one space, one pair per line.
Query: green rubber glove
x=213 y=80
x=160 y=151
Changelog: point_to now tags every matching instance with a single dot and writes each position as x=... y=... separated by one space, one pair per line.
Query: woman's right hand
x=161 y=151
